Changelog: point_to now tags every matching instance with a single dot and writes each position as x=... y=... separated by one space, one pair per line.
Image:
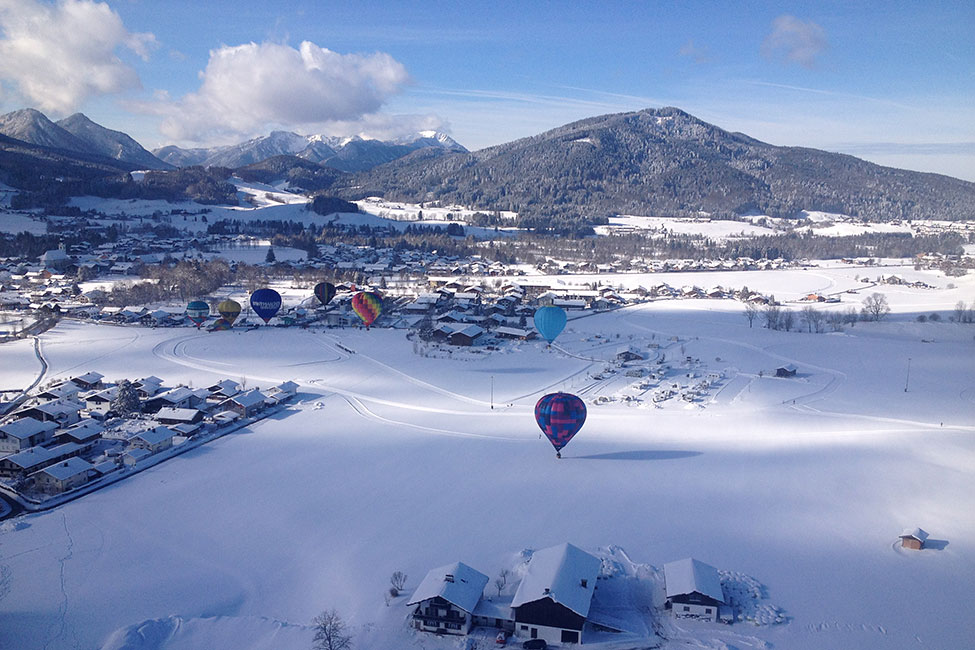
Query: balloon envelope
x=550 y=321
x=197 y=311
x=324 y=291
x=560 y=416
x=266 y=303
x=220 y=325
x=367 y=305
x=229 y=310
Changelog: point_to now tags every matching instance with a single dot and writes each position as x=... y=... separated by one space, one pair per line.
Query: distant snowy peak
x=432 y=139
x=352 y=153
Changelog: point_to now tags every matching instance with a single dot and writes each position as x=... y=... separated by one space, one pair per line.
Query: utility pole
x=492 y=392
x=907 y=381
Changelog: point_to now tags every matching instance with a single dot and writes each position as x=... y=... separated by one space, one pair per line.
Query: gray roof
x=26 y=427
x=456 y=583
x=689 y=575
x=559 y=572
x=154 y=436
x=917 y=533
x=67 y=468
x=38 y=456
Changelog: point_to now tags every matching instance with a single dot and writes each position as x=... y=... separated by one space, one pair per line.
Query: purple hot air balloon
x=560 y=416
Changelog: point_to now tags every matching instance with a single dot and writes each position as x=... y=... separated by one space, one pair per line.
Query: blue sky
x=892 y=82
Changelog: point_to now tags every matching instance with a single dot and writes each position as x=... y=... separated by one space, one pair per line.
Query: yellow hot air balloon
x=229 y=310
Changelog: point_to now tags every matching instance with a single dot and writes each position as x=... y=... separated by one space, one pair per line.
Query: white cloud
x=700 y=54
x=247 y=89
x=794 y=41
x=56 y=57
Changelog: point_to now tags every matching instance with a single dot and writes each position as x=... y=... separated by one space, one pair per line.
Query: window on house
x=686 y=608
x=707 y=610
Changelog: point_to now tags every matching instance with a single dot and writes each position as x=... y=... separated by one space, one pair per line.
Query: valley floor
x=392 y=461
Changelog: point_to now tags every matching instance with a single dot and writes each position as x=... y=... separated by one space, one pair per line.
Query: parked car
x=534 y=644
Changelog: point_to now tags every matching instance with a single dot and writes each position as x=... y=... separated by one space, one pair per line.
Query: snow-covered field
x=392 y=461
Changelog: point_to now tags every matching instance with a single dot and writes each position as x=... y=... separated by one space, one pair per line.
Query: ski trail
x=60 y=633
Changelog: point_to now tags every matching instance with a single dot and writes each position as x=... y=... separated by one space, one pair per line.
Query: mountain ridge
x=662 y=162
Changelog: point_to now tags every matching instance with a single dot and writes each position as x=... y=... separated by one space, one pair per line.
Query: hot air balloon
x=197 y=311
x=266 y=303
x=324 y=291
x=367 y=305
x=560 y=416
x=229 y=310
x=220 y=325
x=550 y=321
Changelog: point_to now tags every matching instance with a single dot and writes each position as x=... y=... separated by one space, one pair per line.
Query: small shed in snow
x=788 y=370
x=913 y=538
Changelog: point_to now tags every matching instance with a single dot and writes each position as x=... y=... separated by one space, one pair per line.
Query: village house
x=63 y=390
x=101 y=402
x=34 y=458
x=446 y=598
x=179 y=397
x=629 y=353
x=63 y=476
x=86 y=432
x=153 y=440
x=133 y=456
x=693 y=590
x=553 y=599
x=245 y=404
x=61 y=412
x=89 y=380
x=24 y=433
x=170 y=415
x=788 y=370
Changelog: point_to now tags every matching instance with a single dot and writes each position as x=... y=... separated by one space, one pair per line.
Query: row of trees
x=777 y=317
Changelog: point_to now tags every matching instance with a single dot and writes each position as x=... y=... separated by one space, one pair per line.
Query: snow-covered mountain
x=113 y=144
x=32 y=126
x=77 y=134
x=348 y=154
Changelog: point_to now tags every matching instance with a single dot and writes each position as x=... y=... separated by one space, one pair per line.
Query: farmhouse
x=89 y=380
x=446 y=598
x=553 y=599
x=693 y=589
x=169 y=415
x=32 y=459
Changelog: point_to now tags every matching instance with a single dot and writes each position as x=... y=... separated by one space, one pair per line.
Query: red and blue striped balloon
x=560 y=416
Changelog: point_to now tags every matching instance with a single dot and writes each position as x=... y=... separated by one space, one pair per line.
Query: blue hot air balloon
x=550 y=321
x=266 y=303
x=560 y=416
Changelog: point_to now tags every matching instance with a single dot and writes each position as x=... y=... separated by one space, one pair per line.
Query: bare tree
x=787 y=319
x=875 y=307
x=331 y=632
x=813 y=318
x=772 y=313
x=751 y=312
x=501 y=581
x=398 y=580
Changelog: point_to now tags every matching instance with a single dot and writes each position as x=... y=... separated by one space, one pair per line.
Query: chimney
x=449 y=577
x=583 y=583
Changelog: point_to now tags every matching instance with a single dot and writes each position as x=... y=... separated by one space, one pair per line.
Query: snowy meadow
x=399 y=458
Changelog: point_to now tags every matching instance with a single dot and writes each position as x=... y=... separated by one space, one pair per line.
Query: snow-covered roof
x=250 y=398
x=689 y=575
x=85 y=429
x=26 y=427
x=37 y=456
x=154 y=436
x=170 y=413
x=89 y=377
x=456 y=583
x=564 y=573
x=916 y=533
x=67 y=468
